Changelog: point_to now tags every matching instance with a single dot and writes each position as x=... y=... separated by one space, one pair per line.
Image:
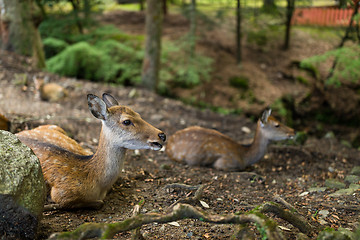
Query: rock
x=352 y=179
x=15 y=221
x=341 y=192
x=333 y=183
x=317 y=189
x=22 y=188
x=355 y=171
x=354 y=186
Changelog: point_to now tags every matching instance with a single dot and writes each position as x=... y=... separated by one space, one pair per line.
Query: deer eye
x=127 y=122
x=277 y=125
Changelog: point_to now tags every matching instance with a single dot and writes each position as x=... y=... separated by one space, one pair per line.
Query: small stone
x=165 y=167
x=333 y=183
x=322 y=221
x=324 y=213
x=162 y=228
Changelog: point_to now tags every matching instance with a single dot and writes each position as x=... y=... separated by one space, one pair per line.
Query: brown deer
x=206 y=147
x=77 y=179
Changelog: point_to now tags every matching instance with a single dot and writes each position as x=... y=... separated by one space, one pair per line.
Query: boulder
x=22 y=189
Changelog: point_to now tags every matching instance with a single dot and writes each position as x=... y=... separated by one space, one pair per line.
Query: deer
x=46 y=91
x=78 y=179
x=198 y=146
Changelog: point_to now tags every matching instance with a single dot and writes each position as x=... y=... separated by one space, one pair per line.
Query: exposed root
x=180 y=211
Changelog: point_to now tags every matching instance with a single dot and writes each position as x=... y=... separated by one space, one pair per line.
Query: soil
x=288 y=171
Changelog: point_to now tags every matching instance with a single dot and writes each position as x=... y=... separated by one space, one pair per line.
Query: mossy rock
x=20 y=174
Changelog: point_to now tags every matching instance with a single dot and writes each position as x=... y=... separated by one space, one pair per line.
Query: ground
x=286 y=170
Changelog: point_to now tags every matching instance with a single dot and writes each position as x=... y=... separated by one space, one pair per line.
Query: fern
x=347 y=64
x=82 y=60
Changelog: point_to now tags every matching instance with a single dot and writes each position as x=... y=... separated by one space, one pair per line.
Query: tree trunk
x=192 y=36
x=289 y=13
x=76 y=10
x=19 y=33
x=238 y=32
x=151 y=63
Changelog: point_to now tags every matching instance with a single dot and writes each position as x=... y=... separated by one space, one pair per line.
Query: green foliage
x=53 y=46
x=347 y=64
x=178 y=68
x=239 y=82
x=82 y=60
x=59 y=27
x=264 y=29
x=128 y=59
x=308 y=66
x=301 y=137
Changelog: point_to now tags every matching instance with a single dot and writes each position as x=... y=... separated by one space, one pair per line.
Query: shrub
x=347 y=64
x=82 y=60
x=129 y=60
x=53 y=46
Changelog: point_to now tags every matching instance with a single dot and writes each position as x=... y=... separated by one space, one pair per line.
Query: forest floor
x=291 y=172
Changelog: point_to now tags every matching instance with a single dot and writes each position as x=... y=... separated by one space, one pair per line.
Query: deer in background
x=206 y=147
x=77 y=179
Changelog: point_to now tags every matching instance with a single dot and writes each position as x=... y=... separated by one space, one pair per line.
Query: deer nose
x=162 y=136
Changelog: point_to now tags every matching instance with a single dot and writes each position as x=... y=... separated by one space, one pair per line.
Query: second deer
x=77 y=179
x=206 y=147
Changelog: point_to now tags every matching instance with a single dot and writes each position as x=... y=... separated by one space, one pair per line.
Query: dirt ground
x=288 y=171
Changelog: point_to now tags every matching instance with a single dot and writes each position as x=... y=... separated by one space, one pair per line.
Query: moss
x=302 y=80
x=53 y=46
x=82 y=60
x=241 y=82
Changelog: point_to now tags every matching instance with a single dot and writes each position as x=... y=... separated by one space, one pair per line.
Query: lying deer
x=206 y=147
x=77 y=179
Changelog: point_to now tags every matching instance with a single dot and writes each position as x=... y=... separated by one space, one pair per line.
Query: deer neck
x=109 y=158
x=257 y=149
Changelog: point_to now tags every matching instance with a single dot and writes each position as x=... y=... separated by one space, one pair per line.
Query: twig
x=180 y=211
x=285 y=203
x=189 y=200
x=136 y=234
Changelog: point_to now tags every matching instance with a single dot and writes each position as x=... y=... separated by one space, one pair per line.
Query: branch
x=180 y=211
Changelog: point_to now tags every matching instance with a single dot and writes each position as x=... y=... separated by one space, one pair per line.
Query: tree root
x=180 y=211
x=266 y=226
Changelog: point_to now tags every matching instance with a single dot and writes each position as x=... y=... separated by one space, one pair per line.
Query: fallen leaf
x=204 y=204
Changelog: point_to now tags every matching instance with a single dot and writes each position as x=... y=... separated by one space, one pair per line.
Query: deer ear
x=265 y=115
x=109 y=100
x=97 y=107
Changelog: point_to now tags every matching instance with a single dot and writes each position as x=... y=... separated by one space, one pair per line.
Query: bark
x=151 y=63
x=76 y=10
x=19 y=33
x=192 y=29
x=289 y=13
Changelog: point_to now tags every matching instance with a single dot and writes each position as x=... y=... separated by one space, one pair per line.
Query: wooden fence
x=322 y=16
